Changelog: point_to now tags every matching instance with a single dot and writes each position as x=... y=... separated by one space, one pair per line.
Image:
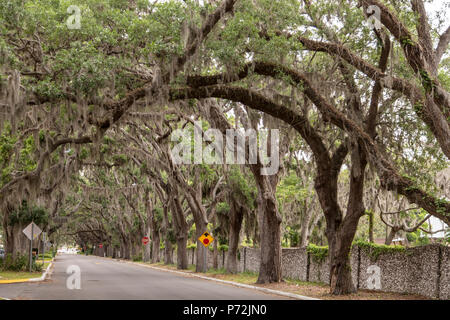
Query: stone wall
x=421 y=270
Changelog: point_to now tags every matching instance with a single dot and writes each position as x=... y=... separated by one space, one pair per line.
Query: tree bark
x=236 y=217
x=390 y=236
x=270 y=238
x=181 y=229
x=201 y=251
x=304 y=232
x=156 y=245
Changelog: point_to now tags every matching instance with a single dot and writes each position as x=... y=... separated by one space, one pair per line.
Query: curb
x=266 y=290
x=44 y=275
x=41 y=278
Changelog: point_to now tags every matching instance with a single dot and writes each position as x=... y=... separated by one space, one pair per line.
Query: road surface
x=103 y=278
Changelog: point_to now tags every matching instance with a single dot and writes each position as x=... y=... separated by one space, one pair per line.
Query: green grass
x=304 y=283
x=247 y=277
x=17 y=275
x=48 y=256
x=47 y=262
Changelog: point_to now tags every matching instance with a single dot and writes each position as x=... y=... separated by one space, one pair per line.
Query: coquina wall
x=421 y=270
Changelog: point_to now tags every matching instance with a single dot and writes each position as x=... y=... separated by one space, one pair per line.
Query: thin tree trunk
x=156 y=245
x=390 y=236
x=304 y=232
x=236 y=216
x=181 y=229
x=370 y=213
x=168 y=259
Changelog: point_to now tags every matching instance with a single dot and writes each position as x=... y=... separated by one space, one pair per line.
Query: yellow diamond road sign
x=206 y=239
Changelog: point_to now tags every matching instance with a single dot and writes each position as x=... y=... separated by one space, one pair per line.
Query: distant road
x=108 y=279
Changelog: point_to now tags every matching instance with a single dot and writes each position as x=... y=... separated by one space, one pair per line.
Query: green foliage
x=26 y=214
x=292 y=236
x=21 y=263
x=375 y=250
x=223 y=208
x=137 y=257
x=222 y=247
x=240 y=187
x=318 y=253
x=171 y=235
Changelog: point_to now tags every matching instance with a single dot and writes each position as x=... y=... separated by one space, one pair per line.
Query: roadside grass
x=309 y=289
x=47 y=256
x=19 y=275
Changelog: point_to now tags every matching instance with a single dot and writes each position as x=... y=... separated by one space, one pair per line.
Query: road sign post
x=43 y=248
x=31 y=231
x=31 y=246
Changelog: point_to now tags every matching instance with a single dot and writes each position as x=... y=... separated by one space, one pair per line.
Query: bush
x=137 y=257
x=317 y=253
x=37 y=267
x=47 y=256
x=19 y=264
x=223 y=247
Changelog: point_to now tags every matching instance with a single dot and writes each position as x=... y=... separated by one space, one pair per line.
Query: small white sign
x=36 y=231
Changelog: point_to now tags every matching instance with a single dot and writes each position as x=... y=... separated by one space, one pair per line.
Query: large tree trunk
x=168 y=259
x=146 y=256
x=202 y=251
x=270 y=238
x=338 y=250
x=16 y=243
x=125 y=254
x=181 y=229
x=156 y=245
x=201 y=226
x=269 y=221
x=339 y=253
x=341 y=231
x=182 y=260
x=236 y=216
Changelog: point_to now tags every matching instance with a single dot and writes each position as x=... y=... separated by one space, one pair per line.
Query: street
x=103 y=278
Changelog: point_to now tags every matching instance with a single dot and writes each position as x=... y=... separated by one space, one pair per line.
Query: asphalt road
x=107 y=279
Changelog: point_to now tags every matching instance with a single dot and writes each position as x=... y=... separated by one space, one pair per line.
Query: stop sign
x=100 y=245
x=145 y=240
